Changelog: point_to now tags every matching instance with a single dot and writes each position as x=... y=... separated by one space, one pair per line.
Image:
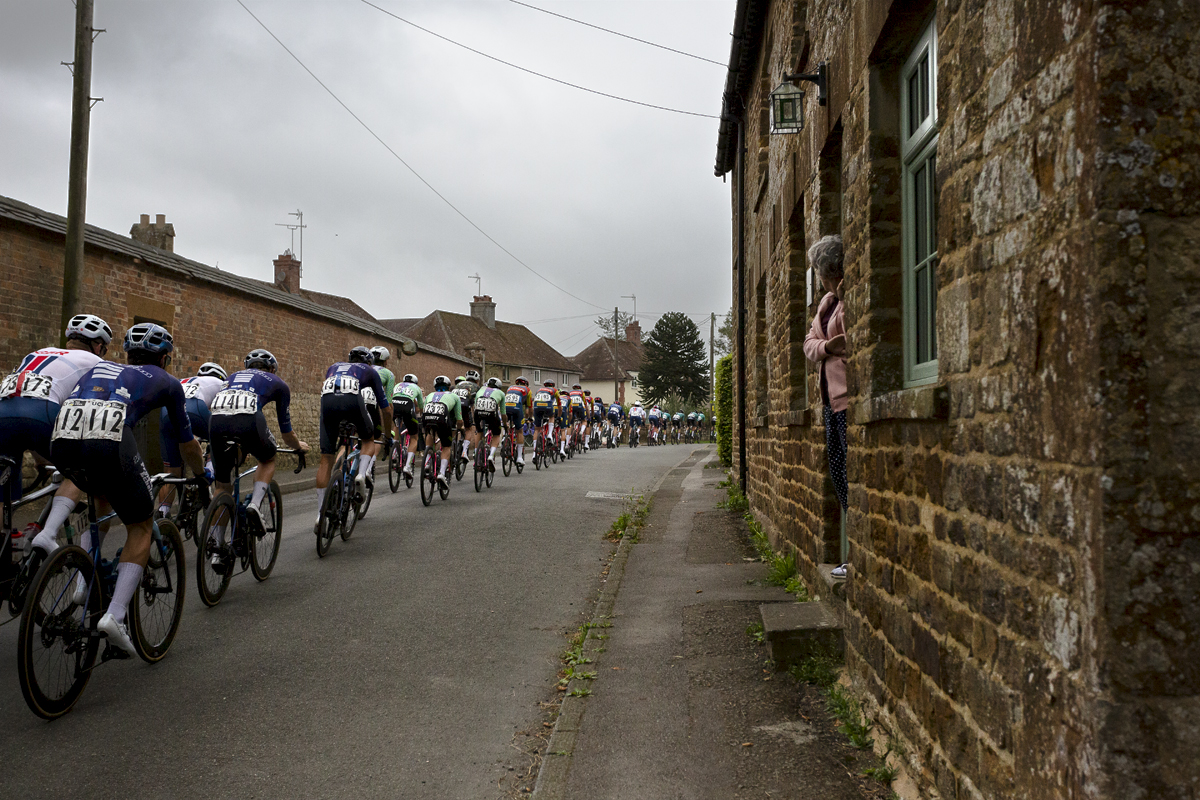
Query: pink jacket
x=833 y=368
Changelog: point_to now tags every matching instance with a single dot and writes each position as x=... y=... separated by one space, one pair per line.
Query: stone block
x=796 y=631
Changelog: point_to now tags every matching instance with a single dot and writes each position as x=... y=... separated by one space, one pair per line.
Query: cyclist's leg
x=262 y=446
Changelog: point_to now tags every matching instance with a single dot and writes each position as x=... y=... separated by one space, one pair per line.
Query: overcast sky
x=208 y=120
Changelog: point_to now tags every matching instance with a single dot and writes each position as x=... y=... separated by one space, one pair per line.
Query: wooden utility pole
x=616 y=361
x=81 y=111
x=712 y=376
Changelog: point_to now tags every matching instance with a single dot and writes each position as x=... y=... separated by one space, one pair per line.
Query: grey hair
x=826 y=256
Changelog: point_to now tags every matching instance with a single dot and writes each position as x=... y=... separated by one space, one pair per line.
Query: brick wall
x=208 y=321
x=1022 y=609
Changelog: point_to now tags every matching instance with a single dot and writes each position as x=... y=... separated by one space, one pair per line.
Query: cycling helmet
x=261 y=359
x=522 y=381
x=587 y=392
x=493 y=383
x=473 y=375
x=576 y=386
x=148 y=337
x=381 y=354
x=360 y=355
x=441 y=380
x=212 y=370
x=410 y=378
x=460 y=379
x=548 y=384
x=89 y=326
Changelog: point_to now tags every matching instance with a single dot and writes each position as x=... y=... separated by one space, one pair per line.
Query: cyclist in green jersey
x=443 y=413
x=382 y=354
x=489 y=410
x=408 y=402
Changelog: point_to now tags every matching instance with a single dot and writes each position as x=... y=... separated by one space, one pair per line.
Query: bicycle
x=58 y=642
x=484 y=469
x=460 y=461
x=220 y=548
x=10 y=564
x=634 y=435
x=396 y=460
x=430 y=464
x=508 y=453
x=340 y=511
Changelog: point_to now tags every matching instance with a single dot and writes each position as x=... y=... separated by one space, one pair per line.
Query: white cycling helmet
x=441 y=380
x=212 y=369
x=493 y=383
x=89 y=326
x=410 y=378
x=381 y=354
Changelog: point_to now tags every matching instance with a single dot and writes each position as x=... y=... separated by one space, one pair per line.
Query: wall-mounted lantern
x=787 y=101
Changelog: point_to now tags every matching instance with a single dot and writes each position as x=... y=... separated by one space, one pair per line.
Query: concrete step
x=796 y=631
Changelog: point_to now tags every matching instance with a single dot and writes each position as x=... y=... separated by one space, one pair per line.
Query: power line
x=552 y=319
x=575 y=335
x=532 y=72
x=617 y=33
x=408 y=166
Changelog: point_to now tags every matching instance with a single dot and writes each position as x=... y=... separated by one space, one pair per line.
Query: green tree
x=725 y=410
x=675 y=360
x=723 y=341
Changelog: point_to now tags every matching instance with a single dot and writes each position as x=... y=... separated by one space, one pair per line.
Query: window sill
x=921 y=402
x=794 y=419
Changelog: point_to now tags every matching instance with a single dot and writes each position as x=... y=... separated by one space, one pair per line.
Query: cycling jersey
x=598 y=407
x=489 y=407
x=344 y=378
x=407 y=402
x=516 y=400
x=388 y=378
x=238 y=418
x=199 y=391
x=615 y=411
x=691 y=418
x=677 y=419
x=637 y=415
x=252 y=390
x=93 y=442
x=443 y=411
x=654 y=416
x=576 y=404
x=344 y=397
x=466 y=391
x=30 y=399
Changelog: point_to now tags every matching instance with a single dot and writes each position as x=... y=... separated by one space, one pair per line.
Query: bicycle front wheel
x=265 y=549
x=395 y=464
x=55 y=651
x=479 y=469
x=212 y=579
x=158 y=602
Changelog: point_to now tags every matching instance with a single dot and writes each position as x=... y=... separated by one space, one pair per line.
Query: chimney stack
x=287 y=273
x=633 y=332
x=484 y=310
x=161 y=234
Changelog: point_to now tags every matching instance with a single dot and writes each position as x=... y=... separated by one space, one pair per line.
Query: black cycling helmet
x=146 y=337
x=441 y=380
x=410 y=378
x=360 y=355
x=211 y=369
x=522 y=381
x=493 y=383
x=261 y=359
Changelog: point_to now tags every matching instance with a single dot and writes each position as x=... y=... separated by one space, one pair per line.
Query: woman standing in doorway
x=826 y=347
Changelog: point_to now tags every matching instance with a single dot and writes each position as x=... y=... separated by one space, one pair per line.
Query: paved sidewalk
x=682 y=706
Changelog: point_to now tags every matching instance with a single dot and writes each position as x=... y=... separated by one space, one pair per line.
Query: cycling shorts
x=249 y=431
x=198 y=415
x=637 y=422
x=489 y=421
x=406 y=420
x=579 y=413
x=339 y=408
x=468 y=419
x=516 y=415
x=441 y=426
x=614 y=417
x=108 y=469
x=373 y=411
x=542 y=415
x=25 y=424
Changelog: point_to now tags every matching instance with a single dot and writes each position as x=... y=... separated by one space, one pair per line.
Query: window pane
x=933 y=201
x=921 y=279
x=933 y=309
x=923 y=71
x=914 y=101
x=921 y=212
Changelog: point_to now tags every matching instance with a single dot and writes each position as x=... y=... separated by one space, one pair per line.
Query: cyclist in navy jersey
x=200 y=389
x=93 y=445
x=238 y=419
x=343 y=400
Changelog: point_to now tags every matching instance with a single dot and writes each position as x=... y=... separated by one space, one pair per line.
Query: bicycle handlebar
x=300 y=455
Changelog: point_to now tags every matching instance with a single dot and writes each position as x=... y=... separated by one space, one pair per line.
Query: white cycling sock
x=320 y=500
x=411 y=457
x=520 y=451
x=493 y=455
x=466 y=446
x=129 y=575
x=442 y=469
x=260 y=491
x=364 y=462
x=60 y=509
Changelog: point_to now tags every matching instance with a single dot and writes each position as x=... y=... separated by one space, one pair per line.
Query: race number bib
x=340 y=384
x=435 y=409
x=368 y=396
x=512 y=399
x=90 y=419
x=26 y=384
x=486 y=405
x=463 y=394
x=191 y=390
x=543 y=397
x=235 y=401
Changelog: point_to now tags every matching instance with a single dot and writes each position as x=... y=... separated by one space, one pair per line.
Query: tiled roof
x=399 y=325
x=609 y=360
x=26 y=214
x=511 y=344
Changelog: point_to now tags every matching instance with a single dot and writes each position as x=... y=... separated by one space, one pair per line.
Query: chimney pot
x=161 y=234
x=160 y=219
x=287 y=273
x=633 y=332
x=145 y=219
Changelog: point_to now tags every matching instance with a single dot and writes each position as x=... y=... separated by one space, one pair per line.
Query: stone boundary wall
x=1021 y=531
x=209 y=321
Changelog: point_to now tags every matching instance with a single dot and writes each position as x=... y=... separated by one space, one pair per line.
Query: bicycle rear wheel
x=55 y=648
x=369 y=493
x=265 y=549
x=460 y=464
x=428 y=477
x=395 y=464
x=327 y=527
x=479 y=468
x=507 y=456
x=348 y=507
x=212 y=580
x=158 y=602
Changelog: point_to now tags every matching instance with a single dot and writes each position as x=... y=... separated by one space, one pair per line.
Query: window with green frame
x=918 y=126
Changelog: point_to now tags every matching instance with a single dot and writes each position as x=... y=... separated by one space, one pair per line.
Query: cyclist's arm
x=192 y=456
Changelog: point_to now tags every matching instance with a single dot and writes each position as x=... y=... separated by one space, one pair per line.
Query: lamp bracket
x=820 y=78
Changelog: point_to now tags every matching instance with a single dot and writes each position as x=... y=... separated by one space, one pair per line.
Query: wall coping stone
x=920 y=402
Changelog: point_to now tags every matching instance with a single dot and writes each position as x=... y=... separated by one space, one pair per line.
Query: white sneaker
x=839 y=572
x=116 y=632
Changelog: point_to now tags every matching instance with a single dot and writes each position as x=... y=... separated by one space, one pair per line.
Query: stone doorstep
x=795 y=631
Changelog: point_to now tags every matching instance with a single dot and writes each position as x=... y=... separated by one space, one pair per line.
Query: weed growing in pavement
x=884 y=773
x=734 y=500
x=755 y=631
x=579 y=693
x=783 y=571
x=851 y=721
x=820 y=671
x=618 y=528
x=631 y=521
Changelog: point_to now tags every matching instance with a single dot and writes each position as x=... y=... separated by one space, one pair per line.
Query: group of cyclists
x=77 y=411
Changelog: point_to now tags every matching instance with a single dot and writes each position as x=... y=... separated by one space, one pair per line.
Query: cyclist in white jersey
x=29 y=401
x=200 y=389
